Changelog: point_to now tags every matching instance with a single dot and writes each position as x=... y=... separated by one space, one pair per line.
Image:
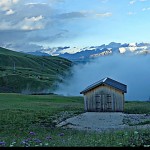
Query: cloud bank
x=131 y=70
x=40 y=22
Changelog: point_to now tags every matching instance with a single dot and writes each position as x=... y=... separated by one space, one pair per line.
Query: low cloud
x=142 y=0
x=107 y=14
x=132 y=2
x=10 y=12
x=131 y=13
x=32 y=23
x=7 y=4
x=145 y=9
x=130 y=70
x=84 y=14
x=71 y=15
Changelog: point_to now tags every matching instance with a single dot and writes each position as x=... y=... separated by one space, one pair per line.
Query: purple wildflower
x=37 y=141
x=26 y=141
x=48 y=137
x=2 y=143
x=61 y=134
x=32 y=133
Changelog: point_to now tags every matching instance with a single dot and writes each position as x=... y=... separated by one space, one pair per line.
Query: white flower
x=46 y=144
x=40 y=144
x=135 y=132
x=146 y=145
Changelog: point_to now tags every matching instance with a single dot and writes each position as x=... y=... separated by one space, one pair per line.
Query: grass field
x=29 y=121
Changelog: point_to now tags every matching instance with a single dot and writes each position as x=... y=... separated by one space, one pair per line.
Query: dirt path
x=102 y=121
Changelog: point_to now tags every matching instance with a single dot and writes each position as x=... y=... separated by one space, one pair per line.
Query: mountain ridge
x=96 y=51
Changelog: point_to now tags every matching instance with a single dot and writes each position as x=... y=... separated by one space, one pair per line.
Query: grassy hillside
x=29 y=120
x=21 y=72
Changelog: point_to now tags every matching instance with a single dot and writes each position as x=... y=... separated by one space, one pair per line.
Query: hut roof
x=106 y=81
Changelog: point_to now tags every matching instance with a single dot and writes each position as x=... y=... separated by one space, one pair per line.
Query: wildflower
x=37 y=141
x=32 y=133
x=135 y=132
x=41 y=144
x=146 y=145
x=46 y=144
x=13 y=143
x=61 y=134
x=27 y=145
x=2 y=143
x=25 y=141
x=48 y=137
x=28 y=139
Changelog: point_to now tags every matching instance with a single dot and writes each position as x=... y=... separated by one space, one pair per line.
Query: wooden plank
x=85 y=103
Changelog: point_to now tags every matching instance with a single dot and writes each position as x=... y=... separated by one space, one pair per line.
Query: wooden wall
x=117 y=98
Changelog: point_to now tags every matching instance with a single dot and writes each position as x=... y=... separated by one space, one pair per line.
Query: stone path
x=102 y=121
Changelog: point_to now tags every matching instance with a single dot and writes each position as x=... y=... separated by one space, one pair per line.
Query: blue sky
x=29 y=25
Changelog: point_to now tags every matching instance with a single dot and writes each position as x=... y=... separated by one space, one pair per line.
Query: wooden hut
x=106 y=95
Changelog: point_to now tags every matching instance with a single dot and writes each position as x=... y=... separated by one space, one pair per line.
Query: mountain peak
x=82 y=53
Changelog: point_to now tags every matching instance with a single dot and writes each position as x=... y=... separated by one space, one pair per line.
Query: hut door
x=103 y=102
x=100 y=102
x=108 y=102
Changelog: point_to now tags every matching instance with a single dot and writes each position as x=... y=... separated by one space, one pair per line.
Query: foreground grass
x=29 y=120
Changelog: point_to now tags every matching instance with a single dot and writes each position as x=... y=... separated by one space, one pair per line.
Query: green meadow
x=29 y=121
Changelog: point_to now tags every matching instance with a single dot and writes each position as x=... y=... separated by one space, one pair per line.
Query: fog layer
x=134 y=71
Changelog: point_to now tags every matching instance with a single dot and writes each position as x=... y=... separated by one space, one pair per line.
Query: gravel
x=102 y=121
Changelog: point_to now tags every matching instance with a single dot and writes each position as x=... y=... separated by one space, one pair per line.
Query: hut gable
x=104 y=95
x=106 y=81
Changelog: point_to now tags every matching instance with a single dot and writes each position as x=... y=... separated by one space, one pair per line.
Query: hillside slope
x=25 y=73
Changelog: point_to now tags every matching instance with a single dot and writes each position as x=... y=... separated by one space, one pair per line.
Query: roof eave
x=85 y=91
